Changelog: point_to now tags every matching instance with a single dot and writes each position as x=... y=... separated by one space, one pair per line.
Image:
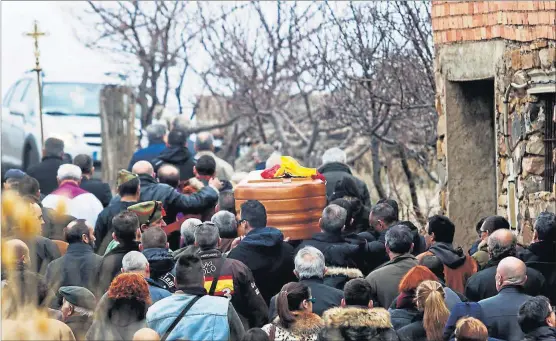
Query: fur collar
x=357 y=317
x=348 y=272
x=305 y=323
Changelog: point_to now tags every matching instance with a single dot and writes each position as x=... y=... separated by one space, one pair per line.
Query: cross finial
x=36 y=34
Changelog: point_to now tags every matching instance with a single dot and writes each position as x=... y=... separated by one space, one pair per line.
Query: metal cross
x=36 y=34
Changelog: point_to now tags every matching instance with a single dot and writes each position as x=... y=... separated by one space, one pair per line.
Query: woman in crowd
x=428 y=325
x=295 y=321
x=404 y=310
x=470 y=328
x=125 y=309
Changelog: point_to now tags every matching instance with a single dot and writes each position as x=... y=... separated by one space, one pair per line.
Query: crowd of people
x=162 y=259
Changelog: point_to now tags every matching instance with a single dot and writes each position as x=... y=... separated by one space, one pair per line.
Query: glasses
x=312 y=300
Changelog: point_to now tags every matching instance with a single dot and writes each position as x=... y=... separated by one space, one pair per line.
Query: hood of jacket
x=175 y=155
x=358 y=324
x=350 y=273
x=160 y=259
x=263 y=237
x=452 y=258
x=334 y=167
x=305 y=324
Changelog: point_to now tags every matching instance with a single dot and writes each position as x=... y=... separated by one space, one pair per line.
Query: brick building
x=495 y=65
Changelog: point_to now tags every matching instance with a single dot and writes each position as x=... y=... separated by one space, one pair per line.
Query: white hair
x=80 y=311
x=69 y=171
x=273 y=160
x=187 y=230
x=309 y=262
x=134 y=261
x=334 y=155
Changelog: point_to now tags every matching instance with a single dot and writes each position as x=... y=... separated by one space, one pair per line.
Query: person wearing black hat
x=77 y=309
x=177 y=154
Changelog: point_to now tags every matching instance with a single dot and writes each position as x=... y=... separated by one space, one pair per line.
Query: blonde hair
x=469 y=328
x=429 y=297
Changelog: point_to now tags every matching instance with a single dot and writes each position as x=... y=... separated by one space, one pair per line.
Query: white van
x=70 y=112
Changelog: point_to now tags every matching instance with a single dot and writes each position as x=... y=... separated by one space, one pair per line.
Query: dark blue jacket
x=268 y=257
x=500 y=313
x=161 y=264
x=156 y=291
x=147 y=154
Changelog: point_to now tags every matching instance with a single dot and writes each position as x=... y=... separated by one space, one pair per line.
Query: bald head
x=146 y=334
x=143 y=167
x=168 y=174
x=18 y=249
x=502 y=243
x=510 y=271
x=204 y=142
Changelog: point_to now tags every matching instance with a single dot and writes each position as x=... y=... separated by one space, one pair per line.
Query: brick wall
x=457 y=21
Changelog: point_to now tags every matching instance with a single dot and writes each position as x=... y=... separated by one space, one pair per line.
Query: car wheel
x=30 y=156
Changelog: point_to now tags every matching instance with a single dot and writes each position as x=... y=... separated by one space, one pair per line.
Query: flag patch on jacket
x=224 y=287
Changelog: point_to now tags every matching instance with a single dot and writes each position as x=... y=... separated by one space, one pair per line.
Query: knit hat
x=148 y=211
x=124 y=176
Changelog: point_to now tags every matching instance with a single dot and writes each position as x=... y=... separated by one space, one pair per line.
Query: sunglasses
x=312 y=300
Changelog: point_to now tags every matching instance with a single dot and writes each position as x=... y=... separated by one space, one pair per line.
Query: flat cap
x=148 y=211
x=79 y=296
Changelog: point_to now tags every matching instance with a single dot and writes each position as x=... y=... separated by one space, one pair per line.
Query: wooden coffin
x=293 y=205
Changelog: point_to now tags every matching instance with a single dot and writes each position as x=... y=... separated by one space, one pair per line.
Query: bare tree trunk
x=377 y=167
x=412 y=187
x=117 y=114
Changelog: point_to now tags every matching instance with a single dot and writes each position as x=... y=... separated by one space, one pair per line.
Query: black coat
x=46 y=251
x=161 y=265
x=173 y=201
x=99 y=189
x=78 y=267
x=413 y=331
x=179 y=157
x=103 y=227
x=111 y=266
x=403 y=317
x=351 y=251
x=326 y=297
x=268 y=257
x=482 y=285
x=500 y=313
x=336 y=171
x=541 y=334
x=45 y=172
x=542 y=257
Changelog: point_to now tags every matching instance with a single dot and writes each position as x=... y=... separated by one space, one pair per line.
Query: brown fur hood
x=305 y=324
x=357 y=318
x=350 y=273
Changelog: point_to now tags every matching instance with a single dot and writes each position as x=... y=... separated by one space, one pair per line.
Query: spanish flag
x=224 y=287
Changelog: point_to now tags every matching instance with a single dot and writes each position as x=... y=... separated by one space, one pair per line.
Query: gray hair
x=333 y=218
x=204 y=141
x=80 y=311
x=134 y=261
x=309 y=262
x=156 y=131
x=69 y=172
x=53 y=147
x=334 y=155
x=188 y=230
x=226 y=223
x=499 y=248
x=399 y=239
x=206 y=236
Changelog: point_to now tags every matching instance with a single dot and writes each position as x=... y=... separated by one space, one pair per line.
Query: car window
x=30 y=97
x=71 y=99
x=8 y=96
x=19 y=91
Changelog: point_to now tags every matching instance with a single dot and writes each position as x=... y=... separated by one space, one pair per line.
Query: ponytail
x=430 y=299
x=288 y=300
